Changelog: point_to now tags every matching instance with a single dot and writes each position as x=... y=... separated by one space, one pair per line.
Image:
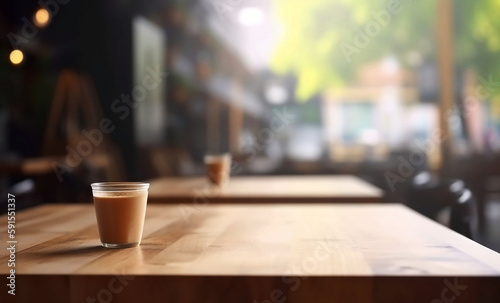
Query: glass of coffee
x=120 y=208
x=218 y=168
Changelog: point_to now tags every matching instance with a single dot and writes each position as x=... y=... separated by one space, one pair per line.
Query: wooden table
x=29 y=167
x=297 y=189
x=251 y=253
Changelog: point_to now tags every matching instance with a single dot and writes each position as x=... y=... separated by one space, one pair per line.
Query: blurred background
x=135 y=90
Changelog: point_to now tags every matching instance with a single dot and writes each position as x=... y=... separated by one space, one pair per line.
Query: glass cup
x=120 y=208
x=218 y=168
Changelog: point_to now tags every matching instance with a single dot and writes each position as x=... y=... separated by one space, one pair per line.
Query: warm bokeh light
x=16 y=56
x=41 y=17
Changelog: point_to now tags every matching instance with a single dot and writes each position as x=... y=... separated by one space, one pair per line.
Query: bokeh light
x=16 y=56
x=41 y=17
x=250 y=16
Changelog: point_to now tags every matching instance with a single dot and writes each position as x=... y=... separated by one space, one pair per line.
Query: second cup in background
x=218 y=168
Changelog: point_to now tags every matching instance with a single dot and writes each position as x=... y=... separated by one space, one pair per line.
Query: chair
x=463 y=217
x=429 y=196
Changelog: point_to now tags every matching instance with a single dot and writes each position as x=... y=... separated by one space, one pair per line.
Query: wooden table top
x=336 y=188
x=248 y=252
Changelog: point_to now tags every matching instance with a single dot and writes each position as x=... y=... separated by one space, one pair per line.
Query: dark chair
x=429 y=196
x=464 y=217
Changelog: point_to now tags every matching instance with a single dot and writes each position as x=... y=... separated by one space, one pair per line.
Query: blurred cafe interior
x=403 y=96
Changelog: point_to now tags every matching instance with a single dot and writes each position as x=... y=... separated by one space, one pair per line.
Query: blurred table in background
x=29 y=167
x=243 y=189
x=360 y=253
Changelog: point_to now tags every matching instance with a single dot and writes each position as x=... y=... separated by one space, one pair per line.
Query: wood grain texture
x=251 y=253
x=284 y=189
